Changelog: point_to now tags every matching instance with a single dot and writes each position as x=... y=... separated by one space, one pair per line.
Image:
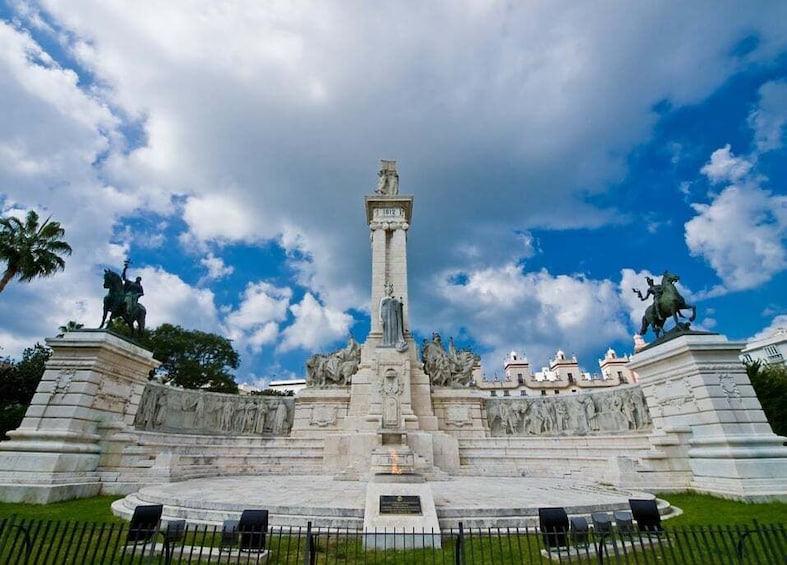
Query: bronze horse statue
x=115 y=304
x=670 y=304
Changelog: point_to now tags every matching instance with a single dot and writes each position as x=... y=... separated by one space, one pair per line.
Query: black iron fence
x=28 y=542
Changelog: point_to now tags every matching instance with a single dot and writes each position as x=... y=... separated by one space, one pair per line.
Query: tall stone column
x=398 y=274
x=389 y=219
x=379 y=274
x=697 y=383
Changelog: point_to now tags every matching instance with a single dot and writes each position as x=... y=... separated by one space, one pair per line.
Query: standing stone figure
x=281 y=424
x=392 y=317
x=388 y=185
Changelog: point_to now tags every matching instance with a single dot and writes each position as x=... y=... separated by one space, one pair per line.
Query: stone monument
x=391 y=425
x=383 y=411
x=380 y=423
x=700 y=398
x=87 y=397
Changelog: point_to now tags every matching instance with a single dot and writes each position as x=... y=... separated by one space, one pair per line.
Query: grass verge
x=82 y=510
x=705 y=510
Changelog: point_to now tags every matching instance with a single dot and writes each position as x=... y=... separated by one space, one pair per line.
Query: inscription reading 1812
x=400 y=504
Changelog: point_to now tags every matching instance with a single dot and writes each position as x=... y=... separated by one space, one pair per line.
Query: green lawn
x=704 y=510
x=81 y=510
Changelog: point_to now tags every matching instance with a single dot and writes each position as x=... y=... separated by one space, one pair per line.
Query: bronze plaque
x=400 y=504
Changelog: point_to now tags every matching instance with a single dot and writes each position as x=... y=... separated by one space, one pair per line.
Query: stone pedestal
x=696 y=382
x=91 y=386
x=460 y=412
x=400 y=513
x=320 y=411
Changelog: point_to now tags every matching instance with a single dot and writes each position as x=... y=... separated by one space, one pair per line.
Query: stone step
x=148 y=438
x=282 y=515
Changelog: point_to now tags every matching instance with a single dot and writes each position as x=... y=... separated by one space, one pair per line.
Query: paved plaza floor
x=293 y=500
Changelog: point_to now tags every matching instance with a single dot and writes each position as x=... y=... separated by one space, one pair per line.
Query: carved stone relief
x=458 y=415
x=187 y=411
x=62 y=383
x=675 y=393
x=322 y=416
x=729 y=388
x=617 y=411
x=391 y=388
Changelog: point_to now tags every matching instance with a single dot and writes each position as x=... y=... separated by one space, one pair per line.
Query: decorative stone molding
x=458 y=416
x=322 y=416
x=390 y=225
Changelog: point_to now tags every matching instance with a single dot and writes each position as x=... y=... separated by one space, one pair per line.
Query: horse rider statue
x=122 y=299
x=667 y=302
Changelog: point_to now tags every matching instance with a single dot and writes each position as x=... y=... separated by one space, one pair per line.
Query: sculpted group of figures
x=163 y=408
x=614 y=411
x=336 y=368
x=452 y=368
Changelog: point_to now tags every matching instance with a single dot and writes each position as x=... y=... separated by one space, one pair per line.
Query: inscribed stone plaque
x=400 y=504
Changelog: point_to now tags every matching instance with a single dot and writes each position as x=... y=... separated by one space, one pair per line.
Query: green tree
x=770 y=384
x=30 y=249
x=193 y=359
x=18 y=382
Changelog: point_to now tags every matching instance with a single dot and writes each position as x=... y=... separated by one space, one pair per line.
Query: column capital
x=389 y=225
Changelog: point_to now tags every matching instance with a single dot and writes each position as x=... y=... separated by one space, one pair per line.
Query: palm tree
x=71 y=326
x=31 y=250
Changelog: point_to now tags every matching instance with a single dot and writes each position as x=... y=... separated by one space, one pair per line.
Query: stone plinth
x=91 y=386
x=398 y=504
x=460 y=412
x=393 y=459
x=697 y=382
x=320 y=411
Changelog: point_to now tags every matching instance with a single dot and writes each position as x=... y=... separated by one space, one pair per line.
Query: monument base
x=91 y=386
x=695 y=382
x=398 y=504
x=393 y=459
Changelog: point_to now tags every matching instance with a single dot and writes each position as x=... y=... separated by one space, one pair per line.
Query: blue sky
x=558 y=153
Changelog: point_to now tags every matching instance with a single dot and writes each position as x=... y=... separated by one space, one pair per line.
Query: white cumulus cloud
x=725 y=167
x=504 y=308
x=315 y=326
x=741 y=234
x=215 y=267
x=169 y=299
x=770 y=118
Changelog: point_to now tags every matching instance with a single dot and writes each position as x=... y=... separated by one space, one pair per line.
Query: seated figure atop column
x=388 y=185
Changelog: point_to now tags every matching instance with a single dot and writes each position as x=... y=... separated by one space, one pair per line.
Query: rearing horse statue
x=670 y=304
x=115 y=304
